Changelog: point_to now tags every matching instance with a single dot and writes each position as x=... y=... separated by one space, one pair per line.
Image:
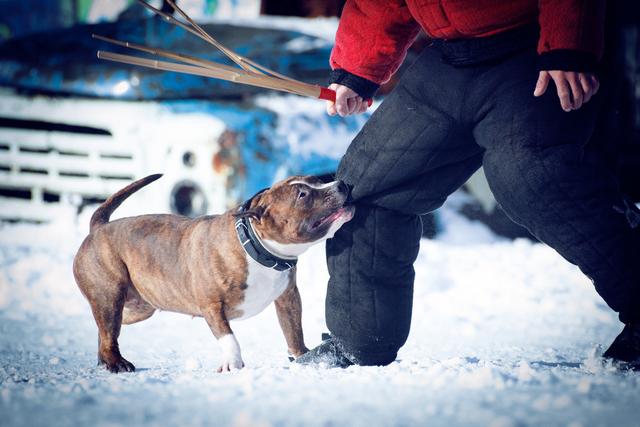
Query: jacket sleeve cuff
x=363 y=87
x=567 y=60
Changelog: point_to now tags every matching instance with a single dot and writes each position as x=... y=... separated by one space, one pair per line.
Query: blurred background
x=74 y=129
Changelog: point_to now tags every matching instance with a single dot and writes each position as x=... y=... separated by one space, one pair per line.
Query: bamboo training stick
x=165 y=53
x=197 y=31
x=251 y=73
x=243 y=62
x=237 y=76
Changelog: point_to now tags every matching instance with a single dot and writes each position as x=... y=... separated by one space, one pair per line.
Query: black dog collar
x=252 y=246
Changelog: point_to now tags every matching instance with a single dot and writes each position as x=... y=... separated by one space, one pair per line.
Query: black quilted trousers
x=439 y=125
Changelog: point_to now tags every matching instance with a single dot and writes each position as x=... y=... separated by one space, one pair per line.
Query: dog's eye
x=302 y=195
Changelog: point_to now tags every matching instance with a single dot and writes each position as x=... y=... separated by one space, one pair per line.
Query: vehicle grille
x=46 y=163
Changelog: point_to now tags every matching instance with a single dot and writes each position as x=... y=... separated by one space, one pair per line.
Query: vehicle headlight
x=189 y=159
x=188 y=199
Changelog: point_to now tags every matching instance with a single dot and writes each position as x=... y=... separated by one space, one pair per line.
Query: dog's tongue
x=337 y=214
x=334 y=216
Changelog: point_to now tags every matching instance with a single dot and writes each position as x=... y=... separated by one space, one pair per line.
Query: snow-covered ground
x=504 y=334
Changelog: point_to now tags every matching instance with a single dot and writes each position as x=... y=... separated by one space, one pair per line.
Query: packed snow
x=505 y=333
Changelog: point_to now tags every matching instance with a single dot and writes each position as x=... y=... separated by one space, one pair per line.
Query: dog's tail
x=104 y=211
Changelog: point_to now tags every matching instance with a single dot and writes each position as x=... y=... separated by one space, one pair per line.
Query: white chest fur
x=263 y=286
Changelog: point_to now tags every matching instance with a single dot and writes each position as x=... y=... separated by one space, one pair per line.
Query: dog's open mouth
x=344 y=211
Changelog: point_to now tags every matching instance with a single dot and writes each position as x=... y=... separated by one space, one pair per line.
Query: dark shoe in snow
x=328 y=354
x=626 y=347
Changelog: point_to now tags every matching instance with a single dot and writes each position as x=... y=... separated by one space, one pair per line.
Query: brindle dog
x=131 y=267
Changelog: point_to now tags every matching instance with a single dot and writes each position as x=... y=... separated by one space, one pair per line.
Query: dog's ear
x=255 y=213
x=252 y=208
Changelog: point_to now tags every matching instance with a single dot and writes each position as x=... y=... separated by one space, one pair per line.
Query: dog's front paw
x=229 y=364
x=231 y=358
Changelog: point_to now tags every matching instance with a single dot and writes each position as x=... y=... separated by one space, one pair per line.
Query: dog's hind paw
x=118 y=365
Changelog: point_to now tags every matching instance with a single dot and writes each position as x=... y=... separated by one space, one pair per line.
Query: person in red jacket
x=510 y=86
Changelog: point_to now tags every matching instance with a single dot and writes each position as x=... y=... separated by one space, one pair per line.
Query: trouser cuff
x=365 y=357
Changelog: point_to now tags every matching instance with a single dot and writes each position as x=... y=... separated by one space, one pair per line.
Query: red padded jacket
x=374 y=35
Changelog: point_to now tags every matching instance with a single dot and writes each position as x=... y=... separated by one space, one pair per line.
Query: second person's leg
x=536 y=167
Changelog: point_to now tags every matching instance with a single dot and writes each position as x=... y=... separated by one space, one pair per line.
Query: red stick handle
x=330 y=95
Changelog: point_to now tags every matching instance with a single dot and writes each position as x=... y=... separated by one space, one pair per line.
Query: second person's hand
x=574 y=89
